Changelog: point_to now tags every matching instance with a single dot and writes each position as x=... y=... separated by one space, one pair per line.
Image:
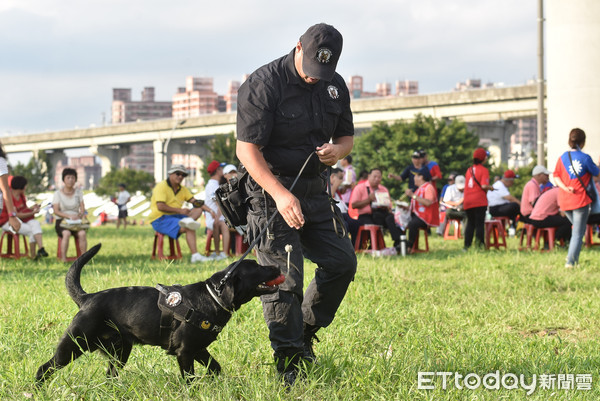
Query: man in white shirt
x=217 y=224
x=452 y=202
x=121 y=201
x=501 y=203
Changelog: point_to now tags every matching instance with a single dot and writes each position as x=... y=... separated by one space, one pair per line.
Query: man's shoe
x=42 y=253
x=189 y=223
x=310 y=335
x=289 y=377
x=199 y=258
x=288 y=366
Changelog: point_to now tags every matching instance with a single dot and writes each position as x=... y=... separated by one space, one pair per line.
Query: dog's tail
x=72 y=281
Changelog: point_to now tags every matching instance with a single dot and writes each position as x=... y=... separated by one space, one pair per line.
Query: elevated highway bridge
x=489 y=112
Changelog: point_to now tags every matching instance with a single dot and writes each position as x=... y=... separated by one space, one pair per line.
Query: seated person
x=547 y=213
x=29 y=225
x=532 y=191
x=169 y=217
x=452 y=201
x=424 y=207
x=594 y=218
x=337 y=178
x=501 y=203
x=216 y=221
x=68 y=206
x=372 y=200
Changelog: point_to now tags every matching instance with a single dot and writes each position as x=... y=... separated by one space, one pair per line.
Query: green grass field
x=502 y=313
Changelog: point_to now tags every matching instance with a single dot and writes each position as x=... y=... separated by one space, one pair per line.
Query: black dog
x=183 y=320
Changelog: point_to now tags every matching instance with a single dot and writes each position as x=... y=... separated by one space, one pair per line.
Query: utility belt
x=309 y=175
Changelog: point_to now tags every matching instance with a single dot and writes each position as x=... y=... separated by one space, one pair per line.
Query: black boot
x=42 y=253
x=310 y=334
x=288 y=365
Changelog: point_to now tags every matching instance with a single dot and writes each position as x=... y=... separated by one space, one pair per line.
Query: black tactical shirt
x=289 y=118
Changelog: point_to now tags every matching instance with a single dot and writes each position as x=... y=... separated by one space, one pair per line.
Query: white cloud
x=65 y=56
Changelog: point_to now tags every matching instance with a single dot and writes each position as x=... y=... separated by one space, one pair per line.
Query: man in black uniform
x=290 y=110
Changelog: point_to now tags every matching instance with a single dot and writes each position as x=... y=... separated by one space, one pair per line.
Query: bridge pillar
x=573 y=60
x=110 y=155
x=495 y=136
x=54 y=156
x=159 y=161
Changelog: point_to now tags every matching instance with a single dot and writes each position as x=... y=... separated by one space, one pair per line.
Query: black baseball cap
x=321 y=47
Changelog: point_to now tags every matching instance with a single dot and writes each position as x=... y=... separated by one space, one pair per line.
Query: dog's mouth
x=271 y=285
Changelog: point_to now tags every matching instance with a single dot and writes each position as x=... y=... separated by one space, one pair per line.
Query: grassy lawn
x=501 y=313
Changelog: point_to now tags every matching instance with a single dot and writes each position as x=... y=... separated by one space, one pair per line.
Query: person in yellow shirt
x=169 y=217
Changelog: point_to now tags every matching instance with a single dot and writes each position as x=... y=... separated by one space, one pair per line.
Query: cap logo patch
x=333 y=92
x=324 y=55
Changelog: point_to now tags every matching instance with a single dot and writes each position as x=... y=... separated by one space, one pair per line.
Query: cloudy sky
x=60 y=59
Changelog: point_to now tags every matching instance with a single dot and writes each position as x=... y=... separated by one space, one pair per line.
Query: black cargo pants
x=286 y=310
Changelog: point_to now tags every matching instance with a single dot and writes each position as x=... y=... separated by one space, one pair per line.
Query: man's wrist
x=12 y=214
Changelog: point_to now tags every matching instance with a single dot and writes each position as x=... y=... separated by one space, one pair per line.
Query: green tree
x=35 y=171
x=135 y=180
x=222 y=149
x=389 y=147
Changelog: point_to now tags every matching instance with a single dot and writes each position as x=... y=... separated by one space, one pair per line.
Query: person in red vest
x=424 y=208
x=475 y=201
x=29 y=225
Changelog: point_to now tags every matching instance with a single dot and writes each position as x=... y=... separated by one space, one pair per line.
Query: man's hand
x=329 y=153
x=290 y=209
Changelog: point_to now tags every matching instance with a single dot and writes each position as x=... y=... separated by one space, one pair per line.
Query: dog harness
x=175 y=309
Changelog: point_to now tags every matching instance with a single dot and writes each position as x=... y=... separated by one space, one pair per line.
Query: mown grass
x=444 y=311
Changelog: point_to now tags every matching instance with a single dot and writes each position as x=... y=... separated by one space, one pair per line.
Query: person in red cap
x=216 y=221
x=501 y=203
x=294 y=113
x=475 y=201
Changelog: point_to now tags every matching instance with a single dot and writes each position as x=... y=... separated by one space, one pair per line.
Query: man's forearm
x=252 y=159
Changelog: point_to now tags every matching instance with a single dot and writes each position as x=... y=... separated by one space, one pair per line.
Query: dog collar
x=217 y=299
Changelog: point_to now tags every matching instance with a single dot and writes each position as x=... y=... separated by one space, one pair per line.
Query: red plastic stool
x=528 y=229
x=369 y=238
x=415 y=247
x=240 y=245
x=77 y=249
x=456 y=232
x=495 y=236
x=504 y=220
x=549 y=235
x=157 y=251
x=13 y=250
x=589 y=236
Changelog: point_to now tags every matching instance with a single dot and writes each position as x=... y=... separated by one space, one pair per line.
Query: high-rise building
x=406 y=87
x=140 y=158
x=197 y=98
x=355 y=86
x=403 y=88
x=125 y=110
x=383 y=89
x=470 y=84
x=231 y=96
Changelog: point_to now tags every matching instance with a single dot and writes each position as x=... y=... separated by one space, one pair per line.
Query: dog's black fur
x=113 y=320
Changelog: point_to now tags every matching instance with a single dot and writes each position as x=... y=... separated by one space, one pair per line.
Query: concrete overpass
x=490 y=112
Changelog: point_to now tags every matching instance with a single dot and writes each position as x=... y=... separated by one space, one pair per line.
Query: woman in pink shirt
x=546 y=213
